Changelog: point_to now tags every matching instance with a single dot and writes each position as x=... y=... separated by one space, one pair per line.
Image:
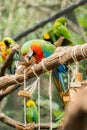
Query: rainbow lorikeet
x=57 y=30
x=31 y=112
x=40 y=49
x=5 y=48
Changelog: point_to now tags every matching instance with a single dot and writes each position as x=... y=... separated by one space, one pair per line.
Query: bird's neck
x=38 y=52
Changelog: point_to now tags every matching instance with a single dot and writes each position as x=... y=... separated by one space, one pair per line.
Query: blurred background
x=17 y=16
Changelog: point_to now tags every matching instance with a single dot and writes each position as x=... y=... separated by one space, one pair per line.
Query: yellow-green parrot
x=31 y=112
x=57 y=30
x=5 y=48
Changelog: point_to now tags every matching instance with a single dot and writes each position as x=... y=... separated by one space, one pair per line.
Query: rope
x=34 y=72
x=50 y=92
x=17 y=81
x=73 y=55
x=38 y=82
x=50 y=98
x=39 y=104
x=83 y=53
x=44 y=67
x=31 y=88
x=25 y=100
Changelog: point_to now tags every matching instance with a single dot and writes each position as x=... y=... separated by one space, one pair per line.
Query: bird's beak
x=66 y=24
x=29 y=56
x=3 y=49
x=1 y=43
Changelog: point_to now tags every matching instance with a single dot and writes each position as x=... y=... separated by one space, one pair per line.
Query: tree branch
x=62 y=55
x=7 y=120
x=49 y=19
x=76 y=112
x=7 y=91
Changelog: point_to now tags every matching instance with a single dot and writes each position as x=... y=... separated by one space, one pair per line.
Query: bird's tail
x=14 y=62
x=59 y=75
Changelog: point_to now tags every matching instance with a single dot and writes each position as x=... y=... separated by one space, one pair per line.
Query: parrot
x=5 y=48
x=31 y=112
x=39 y=49
x=57 y=30
x=2 y=52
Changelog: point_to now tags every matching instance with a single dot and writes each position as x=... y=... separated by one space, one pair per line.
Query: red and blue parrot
x=39 y=49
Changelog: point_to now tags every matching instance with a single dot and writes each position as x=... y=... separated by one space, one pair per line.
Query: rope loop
x=73 y=53
x=25 y=99
x=18 y=83
x=35 y=72
x=44 y=67
x=50 y=98
x=83 y=53
x=38 y=84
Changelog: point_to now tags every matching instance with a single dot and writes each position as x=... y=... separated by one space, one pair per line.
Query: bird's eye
x=7 y=43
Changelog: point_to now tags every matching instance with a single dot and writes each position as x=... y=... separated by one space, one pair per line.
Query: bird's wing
x=48 y=49
x=61 y=30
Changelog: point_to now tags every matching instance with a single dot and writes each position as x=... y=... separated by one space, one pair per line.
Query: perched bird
x=40 y=49
x=57 y=30
x=31 y=112
x=2 y=52
x=5 y=48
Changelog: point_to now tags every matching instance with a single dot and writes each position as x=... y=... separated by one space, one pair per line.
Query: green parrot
x=31 y=112
x=5 y=48
x=57 y=30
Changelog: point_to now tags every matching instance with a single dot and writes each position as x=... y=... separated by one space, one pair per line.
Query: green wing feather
x=31 y=114
x=61 y=30
x=48 y=49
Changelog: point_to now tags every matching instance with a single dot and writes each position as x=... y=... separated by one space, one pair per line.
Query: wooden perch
x=7 y=91
x=7 y=120
x=62 y=55
x=76 y=113
x=9 y=58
